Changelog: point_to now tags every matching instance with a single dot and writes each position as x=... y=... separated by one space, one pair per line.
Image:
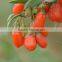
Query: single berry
x=30 y=42
x=18 y=8
x=55 y=13
x=39 y=21
x=42 y=41
x=18 y=39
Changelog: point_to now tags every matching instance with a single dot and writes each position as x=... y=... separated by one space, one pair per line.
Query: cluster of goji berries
x=30 y=41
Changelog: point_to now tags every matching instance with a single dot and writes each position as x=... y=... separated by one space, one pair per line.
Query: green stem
x=9 y=20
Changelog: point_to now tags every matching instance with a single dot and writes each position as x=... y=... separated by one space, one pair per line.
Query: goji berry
x=30 y=42
x=18 y=39
x=18 y=8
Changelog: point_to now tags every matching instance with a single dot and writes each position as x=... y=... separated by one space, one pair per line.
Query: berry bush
x=33 y=14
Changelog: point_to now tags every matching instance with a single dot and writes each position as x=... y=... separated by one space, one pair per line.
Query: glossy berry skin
x=42 y=41
x=30 y=43
x=18 y=8
x=18 y=39
x=55 y=13
x=39 y=21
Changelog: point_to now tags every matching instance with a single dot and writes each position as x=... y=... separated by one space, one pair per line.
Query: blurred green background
x=8 y=53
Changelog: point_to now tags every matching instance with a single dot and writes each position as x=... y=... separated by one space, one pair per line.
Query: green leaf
x=50 y=1
x=34 y=11
x=18 y=1
x=32 y=3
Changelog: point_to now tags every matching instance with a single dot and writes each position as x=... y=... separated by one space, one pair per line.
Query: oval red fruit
x=42 y=41
x=18 y=8
x=18 y=39
x=39 y=21
x=30 y=42
x=55 y=13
